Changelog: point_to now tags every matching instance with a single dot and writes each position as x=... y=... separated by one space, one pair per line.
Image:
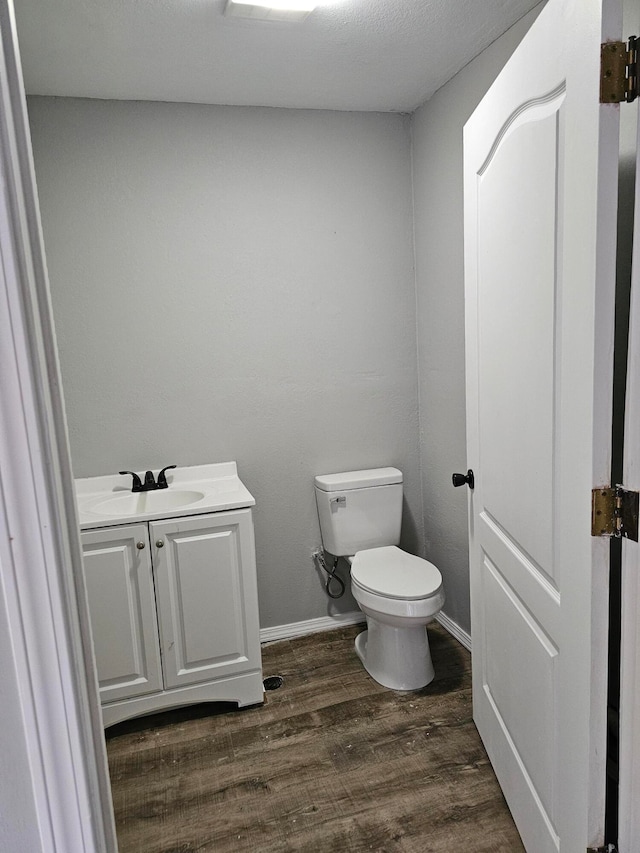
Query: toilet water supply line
x=318 y=556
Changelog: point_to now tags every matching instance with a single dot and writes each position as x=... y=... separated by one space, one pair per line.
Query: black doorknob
x=462 y=479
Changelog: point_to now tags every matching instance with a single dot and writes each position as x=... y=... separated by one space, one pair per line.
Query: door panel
x=526 y=715
x=516 y=329
x=540 y=196
x=122 y=607
x=204 y=583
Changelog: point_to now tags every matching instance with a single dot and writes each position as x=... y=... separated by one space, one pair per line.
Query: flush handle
x=339 y=501
x=463 y=479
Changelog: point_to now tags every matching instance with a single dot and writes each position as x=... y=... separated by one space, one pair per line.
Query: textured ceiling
x=387 y=55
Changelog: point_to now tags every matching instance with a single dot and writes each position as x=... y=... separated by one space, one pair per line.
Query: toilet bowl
x=399 y=594
x=360 y=514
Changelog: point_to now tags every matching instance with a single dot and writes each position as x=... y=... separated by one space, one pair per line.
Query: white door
x=629 y=824
x=205 y=584
x=122 y=606
x=540 y=210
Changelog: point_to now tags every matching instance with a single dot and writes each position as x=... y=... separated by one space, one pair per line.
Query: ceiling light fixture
x=271 y=10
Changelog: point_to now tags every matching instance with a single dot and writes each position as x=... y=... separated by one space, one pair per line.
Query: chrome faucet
x=150 y=483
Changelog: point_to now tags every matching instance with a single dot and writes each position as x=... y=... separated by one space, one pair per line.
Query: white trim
x=341 y=620
x=311 y=626
x=455 y=630
x=41 y=578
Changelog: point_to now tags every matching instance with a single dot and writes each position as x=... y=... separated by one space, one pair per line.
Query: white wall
x=236 y=283
x=438 y=223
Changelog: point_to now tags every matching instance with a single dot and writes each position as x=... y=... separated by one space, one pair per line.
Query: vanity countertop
x=108 y=500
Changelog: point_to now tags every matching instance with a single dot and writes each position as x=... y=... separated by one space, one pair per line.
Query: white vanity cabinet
x=174 y=612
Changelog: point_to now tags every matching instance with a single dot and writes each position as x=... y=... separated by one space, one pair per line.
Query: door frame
x=629 y=732
x=43 y=605
x=42 y=598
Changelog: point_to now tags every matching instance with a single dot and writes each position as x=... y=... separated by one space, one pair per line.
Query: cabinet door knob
x=159 y=544
x=140 y=546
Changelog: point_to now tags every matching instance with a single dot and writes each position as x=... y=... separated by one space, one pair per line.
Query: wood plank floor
x=332 y=762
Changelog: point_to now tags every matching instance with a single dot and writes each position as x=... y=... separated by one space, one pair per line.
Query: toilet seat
x=393 y=574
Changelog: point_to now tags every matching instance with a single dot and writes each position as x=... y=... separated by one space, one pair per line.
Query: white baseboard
x=310 y=626
x=455 y=630
x=340 y=620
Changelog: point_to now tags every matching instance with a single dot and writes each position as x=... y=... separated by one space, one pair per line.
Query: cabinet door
x=123 y=612
x=207 y=596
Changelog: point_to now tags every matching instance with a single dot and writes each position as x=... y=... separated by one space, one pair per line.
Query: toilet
x=360 y=515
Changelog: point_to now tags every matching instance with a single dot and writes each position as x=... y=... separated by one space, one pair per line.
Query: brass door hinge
x=619 y=71
x=614 y=512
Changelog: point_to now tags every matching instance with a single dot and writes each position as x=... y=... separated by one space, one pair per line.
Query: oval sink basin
x=140 y=502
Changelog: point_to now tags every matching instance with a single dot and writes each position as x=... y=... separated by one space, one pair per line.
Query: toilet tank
x=359 y=509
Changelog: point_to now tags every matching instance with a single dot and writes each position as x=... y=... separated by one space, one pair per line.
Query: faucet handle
x=137 y=482
x=162 y=480
x=149 y=482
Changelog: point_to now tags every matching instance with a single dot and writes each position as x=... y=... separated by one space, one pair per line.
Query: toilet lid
x=395 y=574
